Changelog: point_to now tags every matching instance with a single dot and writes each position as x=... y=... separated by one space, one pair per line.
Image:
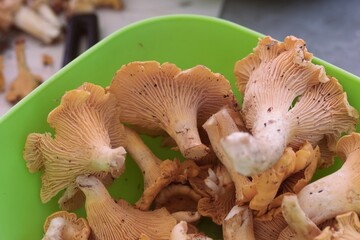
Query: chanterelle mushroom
x=338 y=192
x=271 y=79
x=114 y=221
x=238 y=224
x=159 y=98
x=157 y=174
x=88 y=139
x=179 y=232
x=25 y=81
x=63 y=225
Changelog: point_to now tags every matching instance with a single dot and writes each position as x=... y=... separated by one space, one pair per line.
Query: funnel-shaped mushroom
x=340 y=190
x=63 y=225
x=157 y=174
x=157 y=98
x=25 y=81
x=300 y=226
x=113 y=221
x=271 y=79
x=88 y=139
x=179 y=232
x=347 y=228
x=238 y=224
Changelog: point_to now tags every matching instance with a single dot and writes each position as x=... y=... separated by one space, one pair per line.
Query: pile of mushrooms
x=247 y=168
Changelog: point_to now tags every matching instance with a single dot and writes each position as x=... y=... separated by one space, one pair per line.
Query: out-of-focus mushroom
x=221 y=195
x=300 y=227
x=281 y=73
x=113 y=221
x=180 y=232
x=2 y=78
x=80 y=6
x=156 y=98
x=157 y=174
x=347 y=228
x=88 y=140
x=7 y=11
x=238 y=224
x=63 y=225
x=43 y=8
x=32 y=23
x=115 y=4
x=340 y=190
x=25 y=81
x=178 y=197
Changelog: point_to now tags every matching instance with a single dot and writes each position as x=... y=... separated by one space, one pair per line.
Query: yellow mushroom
x=112 y=221
x=272 y=79
x=338 y=192
x=157 y=174
x=63 y=225
x=25 y=82
x=161 y=98
x=88 y=139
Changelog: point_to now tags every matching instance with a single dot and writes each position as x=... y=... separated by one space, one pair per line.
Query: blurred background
x=50 y=33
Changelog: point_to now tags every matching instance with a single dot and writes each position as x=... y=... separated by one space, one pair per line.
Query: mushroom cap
x=74 y=228
x=347 y=145
x=270 y=225
x=161 y=98
x=112 y=221
x=87 y=140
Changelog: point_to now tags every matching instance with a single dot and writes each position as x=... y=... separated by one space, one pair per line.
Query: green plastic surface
x=182 y=39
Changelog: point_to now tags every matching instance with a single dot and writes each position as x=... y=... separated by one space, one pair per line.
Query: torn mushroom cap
x=66 y=226
x=339 y=189
x=157 y=174
x=88 y=139
x=220 y=125
x=25 y=81
x=177 y=197
x=300 y=226
x=157 y=98
x=270 y=80
x=112 y=221
x=239 y=222
x=179 y=232
x=221 y=195
x=267 y=184
x=347 y=228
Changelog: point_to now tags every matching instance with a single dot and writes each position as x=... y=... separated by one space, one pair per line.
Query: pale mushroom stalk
x=298 y=222
x=179 y=232
x=45 y=11
x=88 y=140
x=161 y=98
x=113 y=221
x=340 y=190
x=271 y=80
x=157 y=174
x=25 y=81
x=54 y=232
x=238 y=224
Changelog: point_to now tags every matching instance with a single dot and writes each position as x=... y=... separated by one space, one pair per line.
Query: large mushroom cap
x=161 y=98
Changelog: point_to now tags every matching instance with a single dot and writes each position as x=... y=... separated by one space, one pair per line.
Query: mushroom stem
x=27 y=19
x=179 y=232
x=55 y=229
x=238 y=224
x=340 y=190
x=108 y=159
x=47 y=13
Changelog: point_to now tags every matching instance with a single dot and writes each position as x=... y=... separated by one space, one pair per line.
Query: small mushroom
x=300 y=226
x=282 y=74
x=155 y=98
x=180 y=232
x=238 y=224
x=63 y=225
x=157 y=174
x=43 y=8
x=340 y=190
x=88 y=140
x=2 y=78
x=221 y=195
x=177 y=197
x=347 y=228
x=112 y=221
x=25 y=81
